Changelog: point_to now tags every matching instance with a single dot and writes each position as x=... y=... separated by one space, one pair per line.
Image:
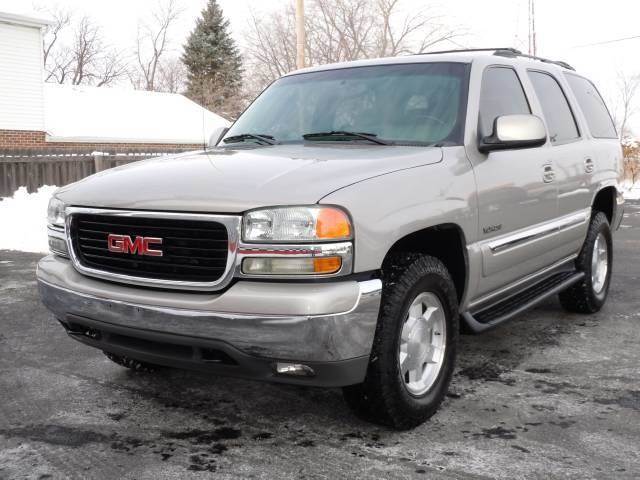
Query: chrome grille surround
x=230 y=222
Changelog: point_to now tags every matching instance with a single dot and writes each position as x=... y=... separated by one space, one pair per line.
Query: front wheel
x=414 y=348
x=595 y=260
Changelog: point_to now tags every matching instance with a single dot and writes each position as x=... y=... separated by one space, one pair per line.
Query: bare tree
x=85 y=50
x=61 y=21
x=171 y=76
x=271 y=45
x=626 y=107
x=57 y=57
x=152 y=45
x=75 y=52
x=110 y=69
x=415 y=32
x=631 y=150
x=340 y=30
x=92 y=62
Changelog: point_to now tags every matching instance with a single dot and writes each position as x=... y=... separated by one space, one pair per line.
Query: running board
x=498 y=313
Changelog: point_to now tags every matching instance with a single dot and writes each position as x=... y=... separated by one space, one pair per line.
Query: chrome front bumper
x=306 y=323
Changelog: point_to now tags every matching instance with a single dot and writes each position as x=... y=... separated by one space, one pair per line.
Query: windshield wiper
x=268 y=139
x=343 y=133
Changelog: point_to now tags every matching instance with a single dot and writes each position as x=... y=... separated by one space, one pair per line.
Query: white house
x=34 y=114
x=21 y=73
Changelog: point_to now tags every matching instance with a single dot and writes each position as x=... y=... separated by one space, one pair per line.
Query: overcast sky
x=564 y=27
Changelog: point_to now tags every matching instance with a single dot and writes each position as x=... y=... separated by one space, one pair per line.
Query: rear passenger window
x=593 y=107
x=560 y=122
x=501 y=94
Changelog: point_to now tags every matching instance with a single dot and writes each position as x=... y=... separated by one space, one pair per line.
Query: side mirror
x=217 y=135
x=514 y=131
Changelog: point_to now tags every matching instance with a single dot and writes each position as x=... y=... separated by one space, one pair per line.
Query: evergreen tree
x=214 y=64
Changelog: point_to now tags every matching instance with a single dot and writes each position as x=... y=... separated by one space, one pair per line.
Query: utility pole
x=533 y=27
x=529 y=26
x=300 y=34
x=533 y=47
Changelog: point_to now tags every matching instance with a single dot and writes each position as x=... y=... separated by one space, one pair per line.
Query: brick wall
x=24 y=139
x=21 y=139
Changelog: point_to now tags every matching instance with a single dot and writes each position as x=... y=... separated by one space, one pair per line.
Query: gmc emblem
x=139 y=246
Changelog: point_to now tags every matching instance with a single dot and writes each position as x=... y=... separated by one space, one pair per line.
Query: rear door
x=515 y=202
x=571 y=156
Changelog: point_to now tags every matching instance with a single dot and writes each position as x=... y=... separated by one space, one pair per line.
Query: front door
x=517 y=194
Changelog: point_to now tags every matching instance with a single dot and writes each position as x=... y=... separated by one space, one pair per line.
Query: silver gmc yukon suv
x=348 y=226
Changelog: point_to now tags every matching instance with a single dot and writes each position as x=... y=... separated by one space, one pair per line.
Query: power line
x=634 y=37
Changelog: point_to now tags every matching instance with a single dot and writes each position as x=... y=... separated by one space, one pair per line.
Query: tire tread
x=378 y=399
x=580 y=298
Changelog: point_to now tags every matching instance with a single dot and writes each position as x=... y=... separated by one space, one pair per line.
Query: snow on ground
x=24 y=220
x=632 y=192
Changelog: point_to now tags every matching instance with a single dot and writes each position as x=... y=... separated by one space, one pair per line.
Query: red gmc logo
x=139 y=246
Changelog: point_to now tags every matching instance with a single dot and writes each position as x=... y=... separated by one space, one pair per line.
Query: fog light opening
x=293 y=369
x=58 y=246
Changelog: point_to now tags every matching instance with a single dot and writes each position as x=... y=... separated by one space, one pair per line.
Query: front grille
x=193 y=250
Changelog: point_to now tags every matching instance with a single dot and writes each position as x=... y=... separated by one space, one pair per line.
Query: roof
x=25 y=20
x=501 y=55
x=116 y=115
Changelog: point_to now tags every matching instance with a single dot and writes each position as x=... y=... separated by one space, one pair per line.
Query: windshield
x=406 y=104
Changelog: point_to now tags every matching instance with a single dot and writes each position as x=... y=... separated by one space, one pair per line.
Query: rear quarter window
x=593 y=107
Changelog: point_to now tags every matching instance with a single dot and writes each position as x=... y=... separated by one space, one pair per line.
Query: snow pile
x=632 y=192
x=23 y=220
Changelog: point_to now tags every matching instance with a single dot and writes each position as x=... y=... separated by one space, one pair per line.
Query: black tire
x=582 y=297
x=132 y=364
x=383 y=397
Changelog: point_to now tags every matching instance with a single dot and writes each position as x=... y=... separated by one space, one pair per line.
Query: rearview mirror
x=216 y=135
x=514 y=131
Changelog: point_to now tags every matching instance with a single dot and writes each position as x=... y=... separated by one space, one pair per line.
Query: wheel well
x=605 y=201
x=445 y=242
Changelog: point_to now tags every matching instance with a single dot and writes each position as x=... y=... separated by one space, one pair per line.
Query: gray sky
x=563 y=26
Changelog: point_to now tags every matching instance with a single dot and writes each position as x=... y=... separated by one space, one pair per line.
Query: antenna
x=204 y=133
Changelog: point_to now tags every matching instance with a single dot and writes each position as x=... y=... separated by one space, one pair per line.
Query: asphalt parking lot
x=548 y=395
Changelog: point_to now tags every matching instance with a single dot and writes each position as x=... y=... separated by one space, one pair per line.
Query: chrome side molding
x=539 y=231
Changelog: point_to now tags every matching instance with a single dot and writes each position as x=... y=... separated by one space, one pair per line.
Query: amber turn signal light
x=332 y=224
x=324 y=265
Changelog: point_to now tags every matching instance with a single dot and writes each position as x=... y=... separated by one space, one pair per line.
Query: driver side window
x=501 y=94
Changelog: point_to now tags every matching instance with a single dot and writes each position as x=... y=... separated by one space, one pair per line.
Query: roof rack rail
x=512 y=52
x=504 y=52
x=508 y=49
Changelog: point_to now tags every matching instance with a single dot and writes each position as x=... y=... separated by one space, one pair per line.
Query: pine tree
x=214 y=64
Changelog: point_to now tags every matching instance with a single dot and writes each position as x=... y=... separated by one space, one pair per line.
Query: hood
x=231 y=181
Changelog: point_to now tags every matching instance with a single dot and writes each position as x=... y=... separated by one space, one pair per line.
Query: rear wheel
x=131 y=363
x=414 y=349
x=595 y=260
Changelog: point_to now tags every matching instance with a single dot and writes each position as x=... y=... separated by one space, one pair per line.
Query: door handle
x=548 y=174
x=588 y=165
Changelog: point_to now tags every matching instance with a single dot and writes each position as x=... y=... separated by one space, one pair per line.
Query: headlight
x=55 y=213
x=296 y=224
